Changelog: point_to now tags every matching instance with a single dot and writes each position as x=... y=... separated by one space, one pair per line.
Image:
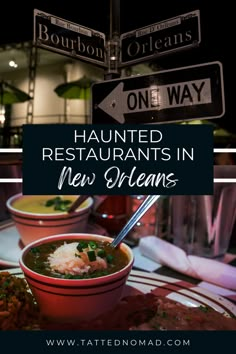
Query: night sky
x=217 y=29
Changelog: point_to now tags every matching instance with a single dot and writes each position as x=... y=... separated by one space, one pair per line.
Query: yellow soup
x=45 y=204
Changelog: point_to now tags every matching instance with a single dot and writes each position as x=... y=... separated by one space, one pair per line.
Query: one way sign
x=193 y=92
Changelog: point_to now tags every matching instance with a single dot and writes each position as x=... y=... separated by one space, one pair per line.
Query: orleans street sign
x=174 y=34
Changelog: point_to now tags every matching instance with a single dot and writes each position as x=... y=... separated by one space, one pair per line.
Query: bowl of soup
x=38 y=216
x=77 y=276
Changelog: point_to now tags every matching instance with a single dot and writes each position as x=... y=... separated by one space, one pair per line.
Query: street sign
x=68 y=38
x=174 y=34
x=192 y=92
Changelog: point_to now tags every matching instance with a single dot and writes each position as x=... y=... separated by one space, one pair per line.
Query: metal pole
x=114 y=19
x=113 y=44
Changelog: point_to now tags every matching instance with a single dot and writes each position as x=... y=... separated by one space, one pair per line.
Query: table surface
x=230 y=258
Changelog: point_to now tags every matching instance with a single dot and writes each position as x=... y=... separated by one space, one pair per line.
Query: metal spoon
x=143 y=208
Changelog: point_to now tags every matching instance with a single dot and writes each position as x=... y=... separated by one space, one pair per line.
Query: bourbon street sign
x=192 y=92
x=174 y=34
x=68 y=38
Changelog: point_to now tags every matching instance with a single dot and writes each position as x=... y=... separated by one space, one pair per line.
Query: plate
x=140 y=282
x=11 y=247
x=178 y=290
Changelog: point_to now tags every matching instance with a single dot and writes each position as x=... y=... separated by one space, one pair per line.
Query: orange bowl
x=34 y=225
x=71 y=300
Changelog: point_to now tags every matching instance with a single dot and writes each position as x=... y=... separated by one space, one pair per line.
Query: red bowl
x=34 y=226
x=71 y=300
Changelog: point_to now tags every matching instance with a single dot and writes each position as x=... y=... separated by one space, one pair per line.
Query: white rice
x=66 y=259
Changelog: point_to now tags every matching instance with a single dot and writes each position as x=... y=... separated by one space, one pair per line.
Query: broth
x=98 y=259
x=45 y=204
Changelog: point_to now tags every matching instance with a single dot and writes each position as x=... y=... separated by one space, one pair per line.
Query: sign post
x=187 y=93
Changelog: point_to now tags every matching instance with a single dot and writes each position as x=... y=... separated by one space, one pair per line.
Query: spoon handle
x=143 y=208
x=77 y=203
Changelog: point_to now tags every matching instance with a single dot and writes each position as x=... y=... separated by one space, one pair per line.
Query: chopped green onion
x=5 y=284
x=109 y=258
x=68 y=276
x=92 y=245
x=84 y=244
x=79 y=247
x=91 y=256
x=101 y=253
x=50 y=202
x=35 y=250
x=57 y=199
x=57 y=207
x=204 y=308
x=59 y=203
x=66 y=202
